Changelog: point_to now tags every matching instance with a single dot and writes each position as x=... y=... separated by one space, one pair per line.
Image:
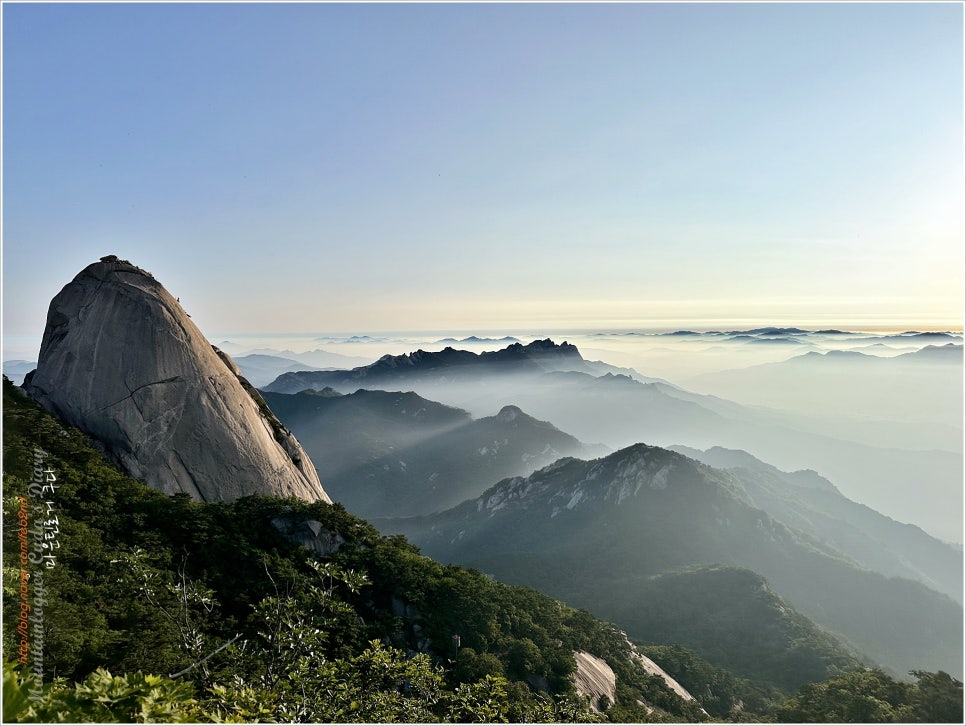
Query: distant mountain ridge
x=948 y=353
x=15 y=370
x=617 y=407
x=810 y=503
x=476 y=340
x=593 y=532
x=397 y=454
x=260 y=368
x=448 y=364
x=315 y=359
x=951 y=353
x=844 y=380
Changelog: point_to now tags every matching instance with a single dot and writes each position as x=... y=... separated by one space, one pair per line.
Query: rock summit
x=122 y=361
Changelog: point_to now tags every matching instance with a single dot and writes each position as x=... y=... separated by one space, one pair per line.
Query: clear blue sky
x=357 y=168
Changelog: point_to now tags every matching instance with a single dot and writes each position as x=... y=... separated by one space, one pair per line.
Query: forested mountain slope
x=595 y=533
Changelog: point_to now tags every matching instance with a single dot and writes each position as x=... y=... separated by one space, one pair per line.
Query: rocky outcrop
x=595 y=680
x=653 y=669
x=310 y=534
x=122 y=361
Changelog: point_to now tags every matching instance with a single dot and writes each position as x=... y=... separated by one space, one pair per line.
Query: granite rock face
x=594 y=679
x=122 y=361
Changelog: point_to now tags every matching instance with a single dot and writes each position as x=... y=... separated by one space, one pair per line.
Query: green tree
x=871 y=696
x=939 y=698
x=472 y=666
x=482 y=702
x=99 y=698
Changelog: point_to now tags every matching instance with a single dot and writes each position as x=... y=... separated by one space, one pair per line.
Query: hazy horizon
x=27 y=346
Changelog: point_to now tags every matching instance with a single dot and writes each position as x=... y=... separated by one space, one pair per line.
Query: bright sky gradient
x=427 y=167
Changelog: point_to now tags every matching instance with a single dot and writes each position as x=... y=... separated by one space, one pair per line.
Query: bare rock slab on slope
x=595 y=680
x=122 y=361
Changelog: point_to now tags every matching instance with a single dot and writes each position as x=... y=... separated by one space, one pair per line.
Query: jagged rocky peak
x=538 y=349
x=547 y=345
x=122 y=361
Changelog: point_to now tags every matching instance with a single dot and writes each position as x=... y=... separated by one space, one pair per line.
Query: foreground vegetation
x=150 y=584
x=163 y=609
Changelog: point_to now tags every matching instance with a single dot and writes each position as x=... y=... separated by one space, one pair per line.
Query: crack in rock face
x=122 y=361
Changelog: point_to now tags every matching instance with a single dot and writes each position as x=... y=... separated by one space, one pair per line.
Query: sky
x=356 y=168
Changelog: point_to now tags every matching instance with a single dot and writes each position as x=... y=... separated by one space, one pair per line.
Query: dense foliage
x=721 y=693
x=871 y=696
x=735 y=621
x=150 y=584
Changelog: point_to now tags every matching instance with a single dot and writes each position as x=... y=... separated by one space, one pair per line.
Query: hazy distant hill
x=600 y=403
x=476 y=340
x=916 y=338
x=446 y=367
x=950 y=353
x=619 y=411
x=396 y=454
x=260 y=369
x=810 y=503
x=349 y=430
x=15 y=370
x=764 y=340
x=925 y=385
x=318 y=358
x=592 y=533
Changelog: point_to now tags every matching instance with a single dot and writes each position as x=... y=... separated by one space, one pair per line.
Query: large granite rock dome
x=122 y=361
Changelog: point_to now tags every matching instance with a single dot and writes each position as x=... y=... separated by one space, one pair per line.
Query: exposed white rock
x=655 y=670
x=594 y=679
x=575 y=499
x=659 y=480
x=548 y=452
x=123 y=362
